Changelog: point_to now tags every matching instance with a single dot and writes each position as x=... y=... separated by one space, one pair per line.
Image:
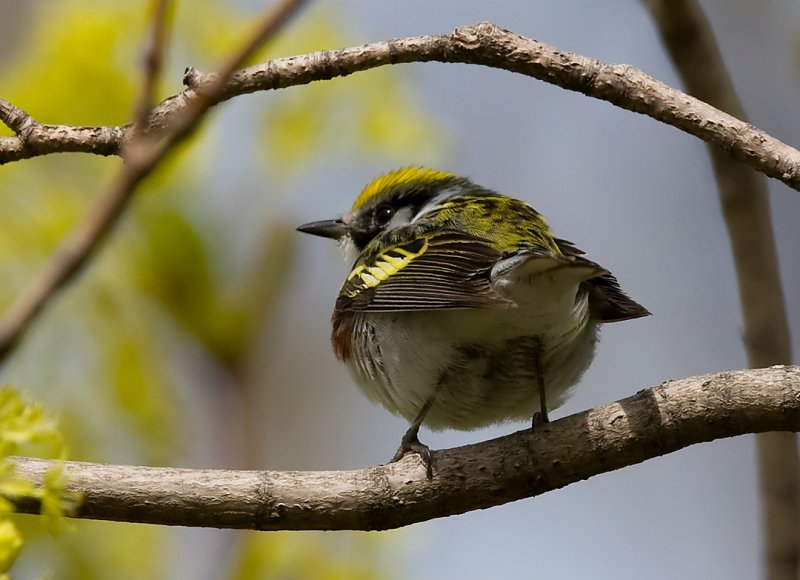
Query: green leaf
x=24 y=426
x=10 y=545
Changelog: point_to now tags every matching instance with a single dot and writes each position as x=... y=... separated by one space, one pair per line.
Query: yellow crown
x=404 y=176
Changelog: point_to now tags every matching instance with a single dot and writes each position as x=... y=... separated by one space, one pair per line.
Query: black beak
x=334 y=229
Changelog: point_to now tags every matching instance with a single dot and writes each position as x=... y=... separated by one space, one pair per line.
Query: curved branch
x=649 y=424
x=484 y=44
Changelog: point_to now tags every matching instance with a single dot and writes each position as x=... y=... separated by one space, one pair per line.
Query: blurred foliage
x=160 y=325
x=280 y=556
x=26 y=429
x=370 y=110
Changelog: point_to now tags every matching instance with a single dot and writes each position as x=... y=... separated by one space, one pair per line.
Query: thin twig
x=188 y=117
x=78 y=247
x=153 y=57
x=649 y=424
x=13 y=117
x=745 y=205
x=141 y=157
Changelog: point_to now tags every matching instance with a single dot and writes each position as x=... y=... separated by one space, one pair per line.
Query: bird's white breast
x=482 y=358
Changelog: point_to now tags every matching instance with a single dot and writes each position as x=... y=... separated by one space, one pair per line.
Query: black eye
x=383 y=213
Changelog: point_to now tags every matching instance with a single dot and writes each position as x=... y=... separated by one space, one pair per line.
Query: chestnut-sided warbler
x=461 y=309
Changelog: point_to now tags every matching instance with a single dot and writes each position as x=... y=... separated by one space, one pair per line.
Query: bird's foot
x=539 y=420
x=411 y=444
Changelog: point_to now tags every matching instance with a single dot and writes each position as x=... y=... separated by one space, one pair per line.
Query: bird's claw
x=539 y=419
x=411 y=444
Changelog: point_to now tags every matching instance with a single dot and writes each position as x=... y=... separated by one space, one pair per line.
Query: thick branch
x=743 y=193
x=745 y=205
x=489 y=45
x=649 y=424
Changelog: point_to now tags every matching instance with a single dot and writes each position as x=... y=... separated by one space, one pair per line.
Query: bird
x=461 y=308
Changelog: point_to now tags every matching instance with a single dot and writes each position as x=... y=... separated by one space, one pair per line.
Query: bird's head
x=387 y=202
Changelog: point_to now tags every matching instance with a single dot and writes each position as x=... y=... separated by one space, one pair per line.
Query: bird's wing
x=440 y=270
x=608 y=302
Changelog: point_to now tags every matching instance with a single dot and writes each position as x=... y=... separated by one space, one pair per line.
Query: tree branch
x=33 y=139
x=78 y=247
x=743 y=194
x=649 y=424
x=153 y=54
x=484 y=44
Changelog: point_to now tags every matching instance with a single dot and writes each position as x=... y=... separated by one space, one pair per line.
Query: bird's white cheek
x=349 y=248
